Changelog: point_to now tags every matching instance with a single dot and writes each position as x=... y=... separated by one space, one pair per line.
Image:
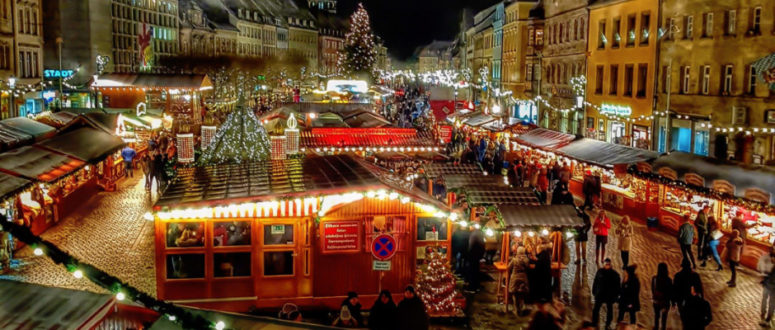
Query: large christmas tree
x=241 y=138
x=359 y=53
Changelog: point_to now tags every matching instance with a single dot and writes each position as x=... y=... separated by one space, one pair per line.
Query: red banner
x=341 y=236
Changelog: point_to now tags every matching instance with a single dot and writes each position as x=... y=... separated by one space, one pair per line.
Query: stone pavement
x=107 y=231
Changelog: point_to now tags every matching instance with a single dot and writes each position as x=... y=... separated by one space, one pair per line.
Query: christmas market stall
x=688 y=182
x=594 y=160
x=300 y=230
x=542 y=139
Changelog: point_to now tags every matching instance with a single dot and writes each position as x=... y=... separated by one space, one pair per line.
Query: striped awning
x=545 y=139
x=515 y=215
x=765 y=67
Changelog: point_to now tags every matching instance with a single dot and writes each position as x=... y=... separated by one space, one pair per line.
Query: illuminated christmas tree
x=241 y=138
x=436 y=287
x=359 y=53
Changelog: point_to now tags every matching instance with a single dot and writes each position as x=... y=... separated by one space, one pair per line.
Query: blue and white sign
x=618 y=110
x=50 y=73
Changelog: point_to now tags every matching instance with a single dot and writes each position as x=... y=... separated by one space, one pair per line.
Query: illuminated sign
x=58 y=73
x=352 y=86
x=619 y=110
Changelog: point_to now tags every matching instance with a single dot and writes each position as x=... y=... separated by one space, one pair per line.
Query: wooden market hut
x=232 y=237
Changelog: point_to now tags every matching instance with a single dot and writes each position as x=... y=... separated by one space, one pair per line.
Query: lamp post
x=12 y=84
x=580 y=114
x=59 y=47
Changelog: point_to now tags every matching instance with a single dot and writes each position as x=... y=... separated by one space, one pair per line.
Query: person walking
x=768 y=293
x=714 y=234
x=561 y=194
x=685 y=240
x=734 y=250
x=582 y=236
x=701 y=225
x=518 y=283
x=683 y=282
x=128 y=154
x=411 y=312
x=601 y=226
x=624 y=233
x=605 y=289
x=629 y=300
x=661 y=296
x=696 y=314
x=543 y=185
x=383 y=314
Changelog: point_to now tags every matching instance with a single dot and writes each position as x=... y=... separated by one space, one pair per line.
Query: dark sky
x=406 y=24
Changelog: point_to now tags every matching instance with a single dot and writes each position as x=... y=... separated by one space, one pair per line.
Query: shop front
x=233 y=237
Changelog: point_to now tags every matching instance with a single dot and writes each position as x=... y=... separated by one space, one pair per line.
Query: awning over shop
x=37 y=163
x=43 y=307
x=493 y=195
x=86 y=143
x=756 y=183
x=605 y=154
x=515 y=216
x=10 y=184
x=149 y=80
x=444 y=169
x=545 y=139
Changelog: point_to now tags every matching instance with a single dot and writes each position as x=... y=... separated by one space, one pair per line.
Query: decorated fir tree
x=241 y=138
x=359 y=53
x=436 y=287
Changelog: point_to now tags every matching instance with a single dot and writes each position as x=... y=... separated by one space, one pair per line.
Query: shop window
x=701 y=142
x=231 y=233
x=185 y=266
x=431 y=229
x=278 y=234
x=231 y=264
x=185 y=234
x=680 y=138
x=642 y=77
x=278 y=263
x=601 y=41
x=628 y=79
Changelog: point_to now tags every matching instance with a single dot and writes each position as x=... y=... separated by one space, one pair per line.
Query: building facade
x=717 y=97
x=515 y=48
x=143 y=31
x=563 y=57
x=497 y=44
x=435 y=56
x=303 y=40
x=621 y=71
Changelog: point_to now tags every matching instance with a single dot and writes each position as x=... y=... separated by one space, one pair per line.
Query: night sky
x=406 y=24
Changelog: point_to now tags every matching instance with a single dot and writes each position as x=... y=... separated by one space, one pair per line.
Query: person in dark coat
x=684 y=282
x=411 y=312
x=383 y=314
x=460 y=248
x=662 y=295
x=541 y=281
x=561 y=194
x=629 y=300
x=582 y=236
x=354 y=305
x=476 y=251
x=696 y=313
x=606 y=290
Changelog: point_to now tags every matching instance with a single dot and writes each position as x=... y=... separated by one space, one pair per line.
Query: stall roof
x=461 y=180
x=605 y=154
x=365 y=137
x=151 y=80
x=238 y=321
x=27 y=306
x=85 y=143
x=366 y=119
x=478 y=120
x=56 y=119
x=545 y=139
x=446 y=168
x=516 y=215
x=310 y=176
x=36 y=163
x=10 y=184
x=28 y=126
x=751 y=182
x=493 y=195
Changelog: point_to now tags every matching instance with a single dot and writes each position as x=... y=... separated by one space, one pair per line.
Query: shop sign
x=278 y=230
x=618 y=110
x=445 y=133
x=50 y=73
x=382 y=266
x=341 y=236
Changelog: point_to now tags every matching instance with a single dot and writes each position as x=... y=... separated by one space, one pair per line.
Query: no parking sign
x=383 y=247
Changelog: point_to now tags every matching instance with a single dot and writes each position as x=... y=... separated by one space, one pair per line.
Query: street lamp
x=12 y=84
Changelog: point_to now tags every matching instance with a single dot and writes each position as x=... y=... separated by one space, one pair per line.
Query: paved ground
x=109 y=231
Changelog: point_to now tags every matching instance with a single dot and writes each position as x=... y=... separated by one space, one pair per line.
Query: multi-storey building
x=197 y=36
x=331 y=30
x=483 y=43
x=435 y=56
x=303 y=38
x=620 y=70
x=528 y=111
x=143 y=31
x=497 y=43
x=563 y=57
x=717 y=96
x=515 y=44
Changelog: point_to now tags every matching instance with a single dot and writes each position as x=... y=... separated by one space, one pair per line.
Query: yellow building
x=720 y=105
x=515 y=33
x=621 y=59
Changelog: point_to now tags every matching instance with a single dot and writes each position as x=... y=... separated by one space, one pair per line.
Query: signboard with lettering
x=341 y=236
x=52 y=74
x=381 y=265
x=618 y=110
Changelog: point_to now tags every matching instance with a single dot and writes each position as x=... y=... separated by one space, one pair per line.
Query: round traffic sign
x=383 y=247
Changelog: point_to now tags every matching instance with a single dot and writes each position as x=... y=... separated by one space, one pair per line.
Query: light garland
x=359 y=53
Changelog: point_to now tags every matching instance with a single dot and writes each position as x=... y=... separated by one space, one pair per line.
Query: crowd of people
x=160 y=151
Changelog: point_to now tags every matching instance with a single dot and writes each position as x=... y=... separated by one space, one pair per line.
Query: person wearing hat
x=606 y=290
x=354 y=306
x=411 y=312
x=345 y=319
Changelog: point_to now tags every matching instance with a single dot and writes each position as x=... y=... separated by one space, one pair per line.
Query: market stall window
x=231 y=233
x=231 y=264
x=278 y=234
x=185 y=234
x=684 y=202
x=185 y=266
x=277 y=263
x=431 y=229
x=760 y=225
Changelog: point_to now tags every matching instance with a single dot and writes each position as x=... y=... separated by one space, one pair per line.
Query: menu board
x=341 y=236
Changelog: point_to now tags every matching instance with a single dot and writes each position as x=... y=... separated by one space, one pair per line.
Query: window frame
x=705 y=80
